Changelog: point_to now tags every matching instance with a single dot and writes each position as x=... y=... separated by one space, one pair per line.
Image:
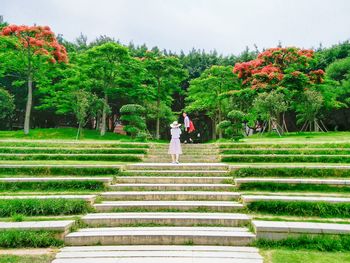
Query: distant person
x=175 y=144
x=188 y=125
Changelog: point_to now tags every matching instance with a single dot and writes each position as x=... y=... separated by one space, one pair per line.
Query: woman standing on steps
x=175 y=144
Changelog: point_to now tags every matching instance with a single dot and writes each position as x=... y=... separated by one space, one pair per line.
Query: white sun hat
x=175 y=124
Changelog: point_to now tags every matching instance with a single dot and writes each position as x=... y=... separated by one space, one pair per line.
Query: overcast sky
x=225 y=25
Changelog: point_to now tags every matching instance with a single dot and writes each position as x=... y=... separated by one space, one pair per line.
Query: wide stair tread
x=158 y=254
x=172 y=186
x=170 y=179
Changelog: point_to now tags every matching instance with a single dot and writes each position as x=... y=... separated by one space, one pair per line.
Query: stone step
x=158 y=254
x=61 y=226
x=183 y=156
x=174 y=219
x=279 y=230
x=171 y=195
x=88 y=198
x=224 y=236
x=171 y=187
x=187 y=146
x=222 y=206
x=177 y=167
x=184 y=160
x=170 y=179
x=240 y=181
x=106 y=180
x=178 y=173
x=255 y=198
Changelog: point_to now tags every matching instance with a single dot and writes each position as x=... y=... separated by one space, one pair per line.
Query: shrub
x=133 y=115
x=29 y=238
x=41 y=207
x=291 y=172
x=300 y=208
x=52 y=186
x=316 y=242
x=232 y=127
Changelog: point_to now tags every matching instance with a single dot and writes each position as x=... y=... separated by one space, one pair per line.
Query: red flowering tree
x=291 y=68
x=25 y=52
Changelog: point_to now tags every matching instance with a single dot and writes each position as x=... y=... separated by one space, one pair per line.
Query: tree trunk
x=214 y=130
x=158 y=117
x=220 y=119
x=29 y=104
x=104 y=116
x=78 y=132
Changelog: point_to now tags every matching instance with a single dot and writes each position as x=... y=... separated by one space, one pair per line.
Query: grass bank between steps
x=29 y=238
x=291 y=172
x=52 y=170
x=301 y=208
x=283 y=255
x=285 y=159
x=26 y=259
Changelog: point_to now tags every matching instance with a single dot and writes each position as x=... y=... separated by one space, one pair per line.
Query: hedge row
x=311 y=145
x=286 y=158
x=291 y=172
x=45 y=171
x=43 y=207
x=315 y=242
x=100 y=157
x=65 y=145
x=72 y=151
x=300 y=208
x=287 y=151
x=275 y=187
x=29 y=238
x=52 y=186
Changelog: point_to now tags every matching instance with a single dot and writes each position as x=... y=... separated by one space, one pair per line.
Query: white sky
x=225 y=25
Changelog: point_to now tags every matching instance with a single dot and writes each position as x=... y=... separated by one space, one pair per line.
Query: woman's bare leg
x=173 y=158
x=177 y=158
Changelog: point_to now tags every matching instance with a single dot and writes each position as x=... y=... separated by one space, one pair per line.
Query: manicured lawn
x=26 y=259
x=303 y=256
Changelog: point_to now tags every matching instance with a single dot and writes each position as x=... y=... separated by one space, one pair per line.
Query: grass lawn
x=296 y=137
x=303 y=256
x=26 y=259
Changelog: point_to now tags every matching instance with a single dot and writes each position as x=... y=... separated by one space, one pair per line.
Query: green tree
x=25 y=52
x=165 y=75
x=7 y=104
x=207 y=93
x=232 y=127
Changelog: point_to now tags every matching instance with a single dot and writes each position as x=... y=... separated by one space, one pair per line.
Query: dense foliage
x=54 y=82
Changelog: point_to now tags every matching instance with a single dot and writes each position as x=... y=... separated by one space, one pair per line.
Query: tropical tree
x=165 y=75
x=26 y=52
x=207 y=93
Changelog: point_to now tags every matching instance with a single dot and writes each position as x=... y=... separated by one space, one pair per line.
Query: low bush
x=315 y=242
x=45 y=171
x=286 y=158
x=301 y=208
x=287 y=151
x=42 y=207
x=52 y=186
x=29 y=238
x=99 y=157
x=291 y=172
x=275 y=187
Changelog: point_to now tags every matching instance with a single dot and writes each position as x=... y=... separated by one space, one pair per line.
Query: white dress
x=175 y=144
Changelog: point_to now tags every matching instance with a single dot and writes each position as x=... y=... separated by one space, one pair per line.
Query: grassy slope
x=26 y=259
x=302 y=256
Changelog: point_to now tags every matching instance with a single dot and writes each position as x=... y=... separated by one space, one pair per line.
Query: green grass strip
x=314 y=242
x=286 y=151
x=291 y=172
x=300 y=208
x=43 y=207
x=100 y=157
x=286 y=158
x=285 y=145
x=72 y=151
x=52 y=186
x=65 y=145
x=29 y=238
x=45 y=171
x=275 y=187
